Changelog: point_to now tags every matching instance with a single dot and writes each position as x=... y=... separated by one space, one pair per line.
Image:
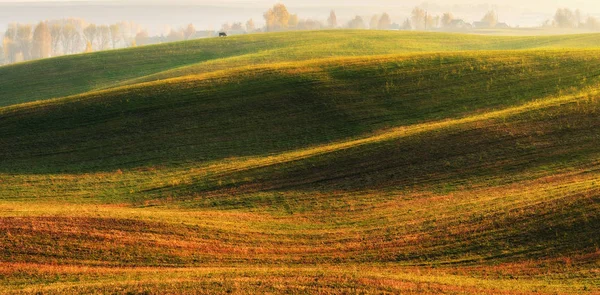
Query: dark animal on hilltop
x=222 y=34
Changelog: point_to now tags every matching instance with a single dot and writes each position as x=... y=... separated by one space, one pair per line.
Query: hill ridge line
x=307 y=65
x=142 y=80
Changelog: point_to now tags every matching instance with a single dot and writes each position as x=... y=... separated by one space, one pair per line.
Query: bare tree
x=9 y=44
x=115 y=35
x=71 y=38
x=68 y=34
x=11 y=48
x=90 y=33
x=332 y=20
x=42 y=41
x=11 y=32
x=24 y=39
x=56 y=32
x=103 y=37
x=128 y=31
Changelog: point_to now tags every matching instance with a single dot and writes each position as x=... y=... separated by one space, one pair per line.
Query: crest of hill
x=70 y=75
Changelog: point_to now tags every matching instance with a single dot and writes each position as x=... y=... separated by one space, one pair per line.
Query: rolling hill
x=328 y=162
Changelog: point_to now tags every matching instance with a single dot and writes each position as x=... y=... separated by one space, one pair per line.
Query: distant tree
x=70 y=38
x=56 y=32
x=104 y=37
x=24 y=39
x=431 y=22
x=384 y=22
x=565 y=18
x=115 y=35
x=269 y=20
x=277 y=18
x=9 y=44
x=128 y=31
x=88 y=47
x=42 y=41
x=592 y=24
x=141 y=38
x=237 y=27
x=2 y=61
x=406 y=25
x=332 y=20
x=447 y=19
x=11 y=31
x=356 y=23
x=491 y=18
x=309 y=24
x=189 y=31
x=250 y=27
x=374 y=23
x=578 y=18
x=282 y=16
x=90 y=33
x=293 y=23
x=225 y=27
x=434 y=22
x=548 y=24
x=419 y=18
x=11 y=49
x=175 y=35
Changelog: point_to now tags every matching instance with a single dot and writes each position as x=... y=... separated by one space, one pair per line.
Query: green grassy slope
x=75 y=74
x=308 y=171
x=275 y=108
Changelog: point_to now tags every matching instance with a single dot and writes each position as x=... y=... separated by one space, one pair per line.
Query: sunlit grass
x=266 y=164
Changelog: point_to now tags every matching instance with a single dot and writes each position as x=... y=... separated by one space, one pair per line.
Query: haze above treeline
x=159 y=16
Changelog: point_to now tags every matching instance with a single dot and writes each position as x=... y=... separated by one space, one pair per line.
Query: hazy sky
x=210 y=14
x=538 y=5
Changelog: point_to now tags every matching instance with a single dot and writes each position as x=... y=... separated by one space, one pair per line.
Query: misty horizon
x=158 y=17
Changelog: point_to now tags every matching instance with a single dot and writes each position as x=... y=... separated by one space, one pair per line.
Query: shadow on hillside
x=271 y=110
x=530 y=145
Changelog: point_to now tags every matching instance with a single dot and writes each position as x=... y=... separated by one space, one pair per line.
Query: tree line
x=23 y=42
x=566 y=18
x=278 y=18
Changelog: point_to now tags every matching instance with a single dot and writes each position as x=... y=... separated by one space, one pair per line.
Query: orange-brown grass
x=324 y=279
x=438 y=173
